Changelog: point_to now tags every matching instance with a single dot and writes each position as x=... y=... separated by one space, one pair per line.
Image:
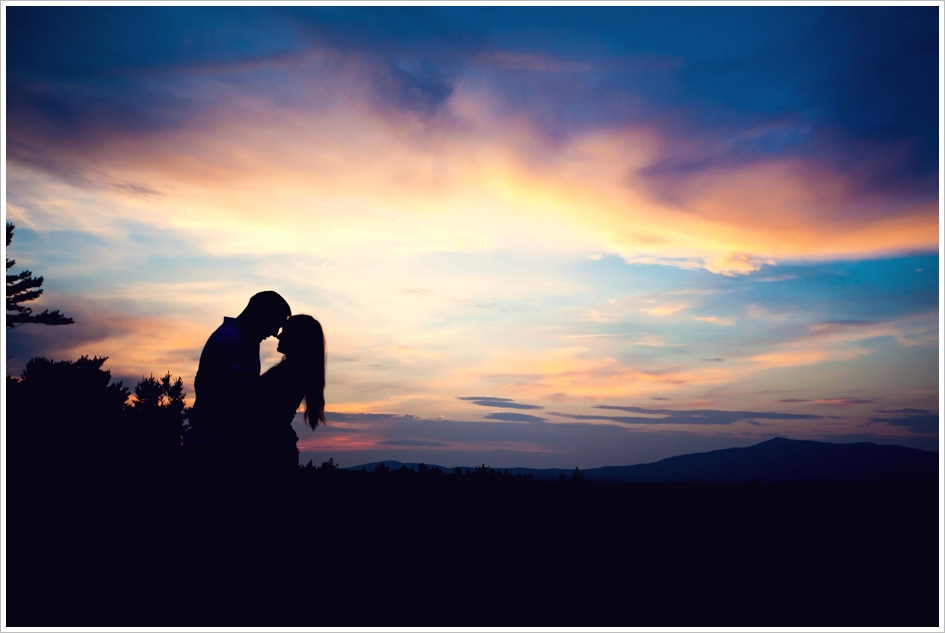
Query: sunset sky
x=535 y=236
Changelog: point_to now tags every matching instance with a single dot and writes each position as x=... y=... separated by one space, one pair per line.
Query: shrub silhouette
x=68 y=415
x=65 y=415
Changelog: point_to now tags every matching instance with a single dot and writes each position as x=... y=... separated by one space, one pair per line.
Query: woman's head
x=303 y=343
x=302 y=338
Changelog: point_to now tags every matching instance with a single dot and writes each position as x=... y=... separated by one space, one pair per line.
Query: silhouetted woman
x=300 y=376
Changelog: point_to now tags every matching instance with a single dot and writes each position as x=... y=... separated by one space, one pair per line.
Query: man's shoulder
x=230 y=326
x=229 y=330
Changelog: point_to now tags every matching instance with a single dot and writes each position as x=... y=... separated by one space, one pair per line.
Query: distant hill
x=781 y=460
x=778 y=460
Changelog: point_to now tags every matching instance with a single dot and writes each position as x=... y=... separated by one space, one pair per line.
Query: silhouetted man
x=227 y=376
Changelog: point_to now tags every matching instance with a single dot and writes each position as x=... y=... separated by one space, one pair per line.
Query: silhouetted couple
x=244 y=420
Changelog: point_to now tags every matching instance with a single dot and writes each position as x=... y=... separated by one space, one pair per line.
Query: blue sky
x=692 y=214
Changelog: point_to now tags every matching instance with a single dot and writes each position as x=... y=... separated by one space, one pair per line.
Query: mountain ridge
x=777 y=460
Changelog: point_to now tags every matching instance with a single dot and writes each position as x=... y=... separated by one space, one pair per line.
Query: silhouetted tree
x=65 y=414
x=577 y=477
x=158 y=414
x=152 y=393
x=23 y=287
x=330 y=465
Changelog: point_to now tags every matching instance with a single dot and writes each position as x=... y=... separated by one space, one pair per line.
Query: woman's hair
x=308 y=348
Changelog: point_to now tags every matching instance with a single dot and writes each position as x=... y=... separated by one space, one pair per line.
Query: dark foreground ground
x=333 y=548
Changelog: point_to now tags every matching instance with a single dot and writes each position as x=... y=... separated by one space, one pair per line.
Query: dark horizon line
x=448 y=469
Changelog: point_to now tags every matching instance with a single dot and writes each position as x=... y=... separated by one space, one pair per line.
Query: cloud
x=363 y=438
x=796 y=357
x=732 y=195
x=653 y=341
x=710 y=413
x=135 y=189
x=371 y=418
x=917 y=337
x=665 y=310
x=423 y=88
x=916 y=420
x=423 y=443
x=697 y=416
x=775 y=278
x=732 y=264
x=362 y=431
x=514 y=417
x=509 y=60
x=579 y=373
x=758 y=313
x=831 y=328
x=502 y=403
x=320 y=137
x=840 y=402
x=715 y=320
x=827 y=341
x=600 y=335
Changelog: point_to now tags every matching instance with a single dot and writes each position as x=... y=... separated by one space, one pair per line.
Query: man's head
x=265 y=313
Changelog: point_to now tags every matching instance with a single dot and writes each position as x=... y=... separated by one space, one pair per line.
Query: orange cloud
x=807 y=356
x=715 y=320
x=665 y=309
x=259 y=178
x=833 y=341
x=572 y=374
x=348 y=195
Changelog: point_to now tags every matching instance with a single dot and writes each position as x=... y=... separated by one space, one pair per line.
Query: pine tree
x=159 y=413
x=160 y=394
x=23 y=287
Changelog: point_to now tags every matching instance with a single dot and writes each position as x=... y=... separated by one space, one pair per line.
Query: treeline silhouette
x=108 y=526
x=68 y=414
